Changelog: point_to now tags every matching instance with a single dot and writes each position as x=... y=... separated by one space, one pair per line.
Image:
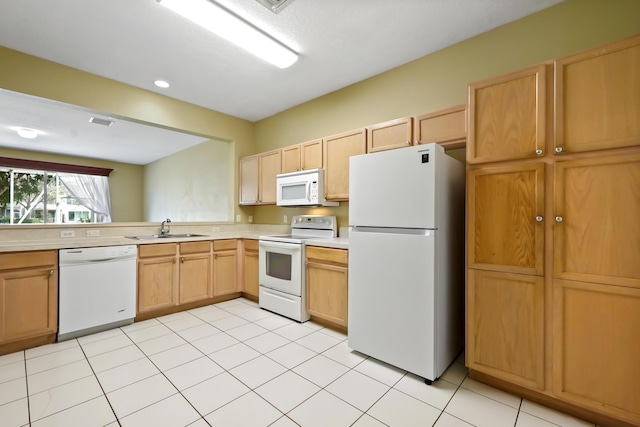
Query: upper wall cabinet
x=311 y=154
x=249 y=179
x=508 y=116
x=389 y=135
x=258 y=178
x=291 y=158
x=447 y=127
x=337 y=150
x=598 y=98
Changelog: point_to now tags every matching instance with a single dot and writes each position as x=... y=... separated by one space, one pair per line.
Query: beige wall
x=195 y=184
x=440 y=80
x=20 y=72
x=125 y=182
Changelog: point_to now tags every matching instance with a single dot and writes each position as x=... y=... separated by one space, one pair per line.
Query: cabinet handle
x=559 y=219
x=418 y=142
x=51 y=272
x=539 y=152
x=558 y=150
x=174 y=260
x=215 y=256
x=408 y=142
x=181 y=259
x=539 y=218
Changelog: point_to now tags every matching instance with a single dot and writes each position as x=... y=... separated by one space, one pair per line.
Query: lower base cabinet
x=250 y=266
x=225 y=267
x=28 y=297
x=157 y=277
x=327 y=284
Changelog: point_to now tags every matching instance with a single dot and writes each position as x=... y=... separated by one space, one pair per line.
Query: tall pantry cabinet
x=553 y=255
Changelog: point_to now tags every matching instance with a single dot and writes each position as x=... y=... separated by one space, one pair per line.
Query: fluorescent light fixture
x=161 y=83
x=223 y=23
x=27 y=133
x=99 y=121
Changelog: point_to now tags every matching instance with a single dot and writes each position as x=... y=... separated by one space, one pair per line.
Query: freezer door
x=394 y=188
x=392 y=298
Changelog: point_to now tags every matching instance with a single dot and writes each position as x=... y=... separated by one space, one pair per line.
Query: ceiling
x=339 y=42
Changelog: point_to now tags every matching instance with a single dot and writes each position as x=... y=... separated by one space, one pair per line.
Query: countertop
x=88 y=242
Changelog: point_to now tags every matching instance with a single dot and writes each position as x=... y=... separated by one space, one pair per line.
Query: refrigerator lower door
x=392 y=298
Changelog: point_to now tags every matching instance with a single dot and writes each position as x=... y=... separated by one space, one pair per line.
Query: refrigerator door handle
x=388 y=230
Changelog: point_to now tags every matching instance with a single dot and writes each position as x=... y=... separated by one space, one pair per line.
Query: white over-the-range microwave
x=303 y=188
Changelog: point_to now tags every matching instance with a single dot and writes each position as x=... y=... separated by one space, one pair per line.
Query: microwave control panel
x=313 y=191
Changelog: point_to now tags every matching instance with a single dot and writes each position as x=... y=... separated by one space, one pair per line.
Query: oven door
x=281 y=266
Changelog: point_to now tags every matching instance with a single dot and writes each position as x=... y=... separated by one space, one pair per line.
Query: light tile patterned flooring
x=233 y=364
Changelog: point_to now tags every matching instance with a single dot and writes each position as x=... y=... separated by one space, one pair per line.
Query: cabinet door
x=598 y=98
x=195 y=277
x=327 y=292
x=270 y=166
x=28 y=303
x=311 y=154
x=596 y=347
x=505 y=230
x=225 y=272
x=505 y=326
x=157 y=283
x=251 y=282
x=447 y=127
x=249 y=172
x=291 y=158
x=597 y=206
x=507 y=116
x=389 y=135
x=337 y=150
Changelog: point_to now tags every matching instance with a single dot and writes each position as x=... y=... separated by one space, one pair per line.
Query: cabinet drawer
x=28 y=259
x=225 y=245
x=251 y=245
x=155 y=250
x=339 y=256
x=195 y=247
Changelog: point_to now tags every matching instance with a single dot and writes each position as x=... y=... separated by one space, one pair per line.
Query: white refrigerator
x=406 y=258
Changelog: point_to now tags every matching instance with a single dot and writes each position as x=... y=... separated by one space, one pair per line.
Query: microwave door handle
x=308 y=191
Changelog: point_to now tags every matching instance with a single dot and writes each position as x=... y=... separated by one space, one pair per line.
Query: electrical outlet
x=93 y=233
x=68 y=233
x=285 y=219
x=215 y=229
x=250 y=218
x=238 y=218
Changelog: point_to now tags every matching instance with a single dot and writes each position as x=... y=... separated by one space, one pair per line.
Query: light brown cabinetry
x=553 y=285
x=250 y=267
x=291 y=158
x=28 y=298
x=598 y=98
x=508 y=116
x=447 y=127
x=311 y=155
x=249 y=171
x=157 y=276
x=195 y=271
x=225 y=262
x=327 y=284
x=337 y=151
x=257 y=178
x=392 y=134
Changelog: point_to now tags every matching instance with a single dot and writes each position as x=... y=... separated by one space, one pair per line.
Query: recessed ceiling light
x=161 y=83
x=27 y=133
x=99 y=121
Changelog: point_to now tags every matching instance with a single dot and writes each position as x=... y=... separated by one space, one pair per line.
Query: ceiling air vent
x=99 y=121
x=275 y=6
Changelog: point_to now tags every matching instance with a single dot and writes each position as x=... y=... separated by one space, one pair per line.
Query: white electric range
x=282 y=265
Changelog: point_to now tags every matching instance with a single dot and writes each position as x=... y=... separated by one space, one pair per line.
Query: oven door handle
x=279 y=245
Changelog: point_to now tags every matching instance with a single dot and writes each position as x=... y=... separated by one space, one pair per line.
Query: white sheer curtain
x=91 y=191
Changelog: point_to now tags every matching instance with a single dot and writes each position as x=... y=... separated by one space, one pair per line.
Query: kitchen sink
x=165 y=236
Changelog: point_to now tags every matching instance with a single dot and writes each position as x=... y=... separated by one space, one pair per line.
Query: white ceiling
x=340 y=42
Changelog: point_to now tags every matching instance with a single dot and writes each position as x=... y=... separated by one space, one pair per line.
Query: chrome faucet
x=164 y=227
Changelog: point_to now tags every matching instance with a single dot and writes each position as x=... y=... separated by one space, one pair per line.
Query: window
x=29 y=196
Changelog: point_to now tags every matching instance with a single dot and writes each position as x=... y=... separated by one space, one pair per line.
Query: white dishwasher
x=97 y=289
